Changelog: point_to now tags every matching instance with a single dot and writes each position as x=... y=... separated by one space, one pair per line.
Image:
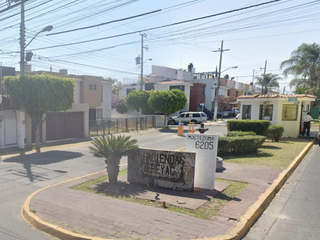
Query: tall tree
x=167 y=102
x=38 y=95
x=304 y=64
x=268 y=81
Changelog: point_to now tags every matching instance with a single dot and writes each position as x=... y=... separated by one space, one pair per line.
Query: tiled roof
x=173 y=82
x=276 y=96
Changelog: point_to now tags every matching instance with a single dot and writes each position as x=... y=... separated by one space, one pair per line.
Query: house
x=284 y=110
x=92 y=95
x=12 y=122
x=169 y=85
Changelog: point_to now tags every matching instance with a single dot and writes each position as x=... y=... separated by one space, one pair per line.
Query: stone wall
x=161 y=168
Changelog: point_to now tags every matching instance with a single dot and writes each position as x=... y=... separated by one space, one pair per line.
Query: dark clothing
x=306 y=126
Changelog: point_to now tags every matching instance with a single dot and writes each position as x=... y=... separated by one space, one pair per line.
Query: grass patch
x=206 y=211
x=272 y=154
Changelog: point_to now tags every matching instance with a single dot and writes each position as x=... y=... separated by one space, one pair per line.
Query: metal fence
x=110 y=126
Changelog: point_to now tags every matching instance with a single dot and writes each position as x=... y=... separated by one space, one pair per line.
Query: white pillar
x=1 y=129
x=21 y=129
x=106 y=99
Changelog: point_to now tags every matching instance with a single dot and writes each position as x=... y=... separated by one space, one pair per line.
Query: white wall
x=77 y=91
x=106 y=99
x=123 y=92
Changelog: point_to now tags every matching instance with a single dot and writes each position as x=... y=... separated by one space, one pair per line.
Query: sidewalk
x=105 y=217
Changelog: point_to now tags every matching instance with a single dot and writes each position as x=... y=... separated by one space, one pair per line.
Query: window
x=129 y=90
x=289 y=112
x=177 y=87
x=237 y=93
x=94 y=87
x=266 y=112
x=228 y=92
x=90 y=86
x=99 y=113
x=204 y=91
x=203 y=115
x=246 y=112
x=196 y=115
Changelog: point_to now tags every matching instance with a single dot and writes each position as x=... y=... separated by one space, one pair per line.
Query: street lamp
x=23 y=47
x=229 y=68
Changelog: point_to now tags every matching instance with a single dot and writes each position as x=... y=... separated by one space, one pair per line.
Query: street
x=20 y=176
x=294 y=212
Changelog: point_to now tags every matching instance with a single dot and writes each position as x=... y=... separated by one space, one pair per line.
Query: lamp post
x=216 y=106
x=22 y=42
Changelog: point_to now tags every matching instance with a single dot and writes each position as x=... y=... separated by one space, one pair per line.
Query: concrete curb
x=235 y=233
x=248 y=219
x=49 y=228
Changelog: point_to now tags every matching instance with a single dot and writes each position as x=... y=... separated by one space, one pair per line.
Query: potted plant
x=113 y=149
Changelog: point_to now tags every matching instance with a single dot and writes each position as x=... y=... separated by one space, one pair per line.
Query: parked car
x=196 y=117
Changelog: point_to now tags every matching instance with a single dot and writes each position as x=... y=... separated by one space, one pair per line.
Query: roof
x=276 y=96
x=173 y=83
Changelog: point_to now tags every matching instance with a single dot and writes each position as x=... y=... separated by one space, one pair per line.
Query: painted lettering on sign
x=162 y=165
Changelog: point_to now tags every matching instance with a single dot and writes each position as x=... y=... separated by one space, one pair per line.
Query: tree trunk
x=113 y=171
x=38 y=137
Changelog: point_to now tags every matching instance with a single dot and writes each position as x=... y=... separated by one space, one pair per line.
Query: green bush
x=122 y=108
x=240 y=134
x=245 y=144
x=260 y=127
x=275 y=132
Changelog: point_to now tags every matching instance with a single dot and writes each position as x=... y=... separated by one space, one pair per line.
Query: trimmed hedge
x=240 y=134
x=275 y=132
x=245 y=144
x=260 y=127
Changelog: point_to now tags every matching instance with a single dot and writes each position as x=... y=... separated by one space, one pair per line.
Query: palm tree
x=113 y=149
x=304 y=64
x=268 y=81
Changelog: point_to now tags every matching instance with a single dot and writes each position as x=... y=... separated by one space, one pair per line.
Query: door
x=10 y=127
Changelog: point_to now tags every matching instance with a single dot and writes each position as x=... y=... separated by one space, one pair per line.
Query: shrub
x=122 y=108
x=245 y=144
x=240 y=134
x=260 y=127
x=275 y=132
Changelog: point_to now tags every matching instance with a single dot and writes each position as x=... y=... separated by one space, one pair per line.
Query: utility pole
x=221 y=50
x=142 y=47
x=264 y=74
x=22 y=39
x=253 y=81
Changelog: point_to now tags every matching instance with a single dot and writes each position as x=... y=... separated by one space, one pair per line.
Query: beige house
x=284 y=110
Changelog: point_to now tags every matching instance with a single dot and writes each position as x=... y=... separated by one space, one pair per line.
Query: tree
x=304 y=64
x=268 y=81
x=167 y=102
x=224 y=103
x=38 y=95
x=115 y=101
x=190 y=67
x=113 y=149
x=139 y=99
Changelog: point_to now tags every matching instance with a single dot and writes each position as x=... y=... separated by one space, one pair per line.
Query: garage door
x=64 y=125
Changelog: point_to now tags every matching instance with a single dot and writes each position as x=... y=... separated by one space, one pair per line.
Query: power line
x=163 y=26
x=113 y=21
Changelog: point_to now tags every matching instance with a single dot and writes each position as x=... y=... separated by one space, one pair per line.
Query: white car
x=186 y=117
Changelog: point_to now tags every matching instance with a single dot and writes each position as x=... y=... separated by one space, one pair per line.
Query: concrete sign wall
x=160 y=168
x=206 y=147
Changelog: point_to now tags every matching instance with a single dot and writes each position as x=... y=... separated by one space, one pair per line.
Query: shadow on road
x=38 y=159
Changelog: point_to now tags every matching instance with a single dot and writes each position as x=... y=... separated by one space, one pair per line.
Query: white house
x=169 y=85
x=284 y=110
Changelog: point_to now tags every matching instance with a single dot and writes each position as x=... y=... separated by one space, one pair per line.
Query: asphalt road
x=294 y=213
x=20 y=176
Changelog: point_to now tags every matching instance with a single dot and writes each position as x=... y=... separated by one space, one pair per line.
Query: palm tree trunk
x=113 y=171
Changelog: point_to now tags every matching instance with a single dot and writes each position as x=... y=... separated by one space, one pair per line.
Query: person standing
x=306 y=124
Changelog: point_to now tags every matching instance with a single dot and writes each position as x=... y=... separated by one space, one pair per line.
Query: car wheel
x=194 y=121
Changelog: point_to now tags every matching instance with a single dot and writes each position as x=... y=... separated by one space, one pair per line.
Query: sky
x=253 y=35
